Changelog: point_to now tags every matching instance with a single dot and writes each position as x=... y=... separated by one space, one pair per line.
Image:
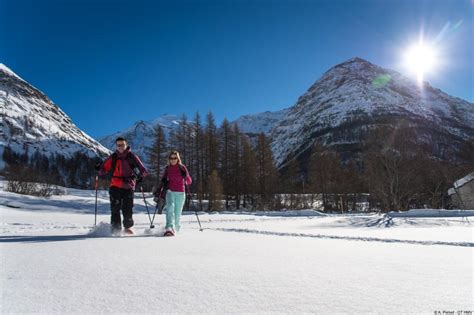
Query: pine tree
x=156 y=154
x=211 y=146
x=210 y=150
x=325 y=174
x=267 y=173
x=215 y=192
x=226 y=148
x=183 y=144
x=248 y=174
x=291 y=181
x=178 y=138
x=197 y=158
x=235 y=177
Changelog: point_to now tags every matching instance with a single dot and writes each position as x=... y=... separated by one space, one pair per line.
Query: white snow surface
x=54 y=262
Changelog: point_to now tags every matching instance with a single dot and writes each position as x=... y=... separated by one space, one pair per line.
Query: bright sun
x=420 y=59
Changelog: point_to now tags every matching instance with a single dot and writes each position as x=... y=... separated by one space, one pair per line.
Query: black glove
x=139 y=179
x=160 y=204
x=97 y=166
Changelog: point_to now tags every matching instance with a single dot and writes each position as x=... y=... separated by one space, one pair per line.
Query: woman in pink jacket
x=174 y=179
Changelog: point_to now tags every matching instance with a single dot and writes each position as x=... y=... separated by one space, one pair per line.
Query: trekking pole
x=153 y=219
x=146 y=205
x=96 y=191
x=195 y=209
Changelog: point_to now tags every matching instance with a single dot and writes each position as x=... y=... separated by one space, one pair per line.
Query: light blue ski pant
x=174 y=207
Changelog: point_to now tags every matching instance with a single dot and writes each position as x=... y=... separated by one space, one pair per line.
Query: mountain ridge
x=357 y=90
x=338 y=110
x=34 y=123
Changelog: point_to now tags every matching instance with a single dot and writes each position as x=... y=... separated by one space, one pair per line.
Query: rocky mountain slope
x=31 y=122
x=355 y=97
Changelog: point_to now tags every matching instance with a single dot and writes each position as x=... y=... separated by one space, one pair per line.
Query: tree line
x=24 y=169
x=230 y=170
x=394 y=170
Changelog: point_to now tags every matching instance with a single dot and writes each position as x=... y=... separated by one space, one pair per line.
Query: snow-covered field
x=51 y=262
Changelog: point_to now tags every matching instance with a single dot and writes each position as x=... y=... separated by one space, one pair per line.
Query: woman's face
x=173 y=159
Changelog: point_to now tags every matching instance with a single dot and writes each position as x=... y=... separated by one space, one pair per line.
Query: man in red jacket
x=122 y=165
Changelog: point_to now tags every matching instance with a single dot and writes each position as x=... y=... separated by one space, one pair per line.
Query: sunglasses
x=120 y=145
x=173 y=158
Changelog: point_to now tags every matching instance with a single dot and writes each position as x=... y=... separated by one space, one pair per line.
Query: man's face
x=121 y=146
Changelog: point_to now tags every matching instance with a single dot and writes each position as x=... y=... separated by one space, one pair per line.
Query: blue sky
x=109 y=63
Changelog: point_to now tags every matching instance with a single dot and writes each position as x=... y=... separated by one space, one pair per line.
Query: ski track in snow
x=142 y=230
x=348 y=238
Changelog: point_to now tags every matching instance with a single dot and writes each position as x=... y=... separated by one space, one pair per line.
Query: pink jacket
x=176 y=180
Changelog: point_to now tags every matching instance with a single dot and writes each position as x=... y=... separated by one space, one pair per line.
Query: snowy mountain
x=338 y=110
x=140 y=136
x=356 y=96
x=262 y=122
x=30 y=120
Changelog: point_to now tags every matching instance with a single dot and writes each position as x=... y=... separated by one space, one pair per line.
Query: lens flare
x=381 y=80
x=421 y=59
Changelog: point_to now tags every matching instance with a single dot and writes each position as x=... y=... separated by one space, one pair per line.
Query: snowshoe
x=128 y=231
x=169 y=233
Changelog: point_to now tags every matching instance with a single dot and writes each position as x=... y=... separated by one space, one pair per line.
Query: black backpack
x=131 y=162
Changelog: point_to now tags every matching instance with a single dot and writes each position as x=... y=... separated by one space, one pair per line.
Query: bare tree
x=267 y=174
x=211 y=144
x=196 y=161
x=215 y=192
x=393 y=167
x=236 y=165
x=248 y=174
x=325 y=175
x=291 y=180
x=225 y=144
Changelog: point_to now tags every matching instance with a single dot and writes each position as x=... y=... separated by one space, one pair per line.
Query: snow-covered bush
x=30 y=188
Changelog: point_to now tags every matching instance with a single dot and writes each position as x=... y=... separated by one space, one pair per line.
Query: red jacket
x=123 y=175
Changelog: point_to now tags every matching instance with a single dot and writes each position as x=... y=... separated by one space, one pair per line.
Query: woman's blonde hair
x=177 y=155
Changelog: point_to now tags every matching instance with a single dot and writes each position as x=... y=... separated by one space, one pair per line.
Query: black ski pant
x=121 y=199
